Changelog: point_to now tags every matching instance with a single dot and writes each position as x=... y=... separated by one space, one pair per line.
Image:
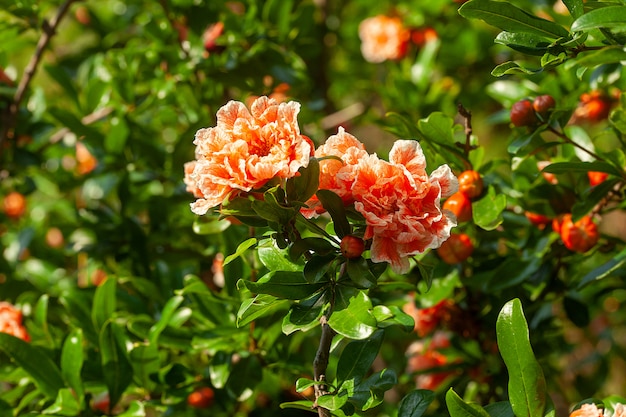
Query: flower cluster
x=425 y=359
x=592 y=410
x=245 y=150
x=398 y=199
x=11 y=321
x=383 y=38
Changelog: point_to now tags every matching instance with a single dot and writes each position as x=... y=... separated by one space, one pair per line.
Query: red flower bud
x=470 y=183
x=352 y=247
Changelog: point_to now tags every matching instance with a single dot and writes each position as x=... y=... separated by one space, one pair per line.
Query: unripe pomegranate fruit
x=596 y=177
x=456 y=249
x=14 y=205
x=543 y=105
x=523 y=114
x=470 y=183
x=351 y=246
x=579 y=236
x=460 y=205
x=201 y=398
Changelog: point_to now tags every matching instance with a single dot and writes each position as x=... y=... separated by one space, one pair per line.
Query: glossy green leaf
x=575 y=7
x=335 y=207
x=271 y=209
x=241 y=249
x=72 y=358
x=116 y=368
x=303 y=186
x=370 y=392
x=104 y=302
x=166 y=314
x=528 y=43
x=591 y=59
x=43 y=371
x=511 y=67
x=393 y=316
x=499 y=409
x=565 y=167
x=357 y=358
x=317 y=267
x=352 y=316
x=527 y=385
x=41 y=316
x=211 y=227
x=219 y=369
x=65 y=404
x=510 y=18
x=437 y=128
x=284 y=284
x=612 y=17
x=305 y=405
x=314 y=245
x=457 y=407
x=276 y=259
x=487 y=211
x=360 y=274
x=260 y=306
x=415 y=403
x=135 y=409
x=304 y=315
x=613 y=267
x=332 y=402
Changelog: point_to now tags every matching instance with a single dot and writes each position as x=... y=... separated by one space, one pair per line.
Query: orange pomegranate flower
x=337 y=175
x=11 y=321
x=245 y=150
x=383 y=38
x=587 y=410
x=401 y=204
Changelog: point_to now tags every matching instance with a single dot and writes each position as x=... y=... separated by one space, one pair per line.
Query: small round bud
x=470 y=183
x=543 y=105
x=352 y=247
x=456 y=249
x=523 y=114
x=459 y=204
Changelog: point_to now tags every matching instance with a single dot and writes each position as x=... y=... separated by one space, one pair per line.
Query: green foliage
x=129 y=297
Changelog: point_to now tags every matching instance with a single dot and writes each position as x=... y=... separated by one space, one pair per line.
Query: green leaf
x=334 y=205
x=487 y=212
x=115 y=140
x=305 y=405
x=500 y=409
x=284 y=284
x=72 y=358
x=438 y=128
x=66 y=404
x=104 y=303
x=511 y=67
x=393 y=315
x=591 y=59
x=612 y=17
x=241 y=249
x=590 y=200
x=528 y=43
x=566 y=167
x=34 y=361
x=370 y=392
x=166 y=315
x=317 y=245
x=332 y=402
x=302 y=187
x=527 y=385
x=607 y=269
x=276 y=259
x=211 y=227
x=317 y=267
x=145 y=361
x=357 y=358
x=304 y=315
x=260 y=306
x=352 y=316
x=135 y=409
x=116 y=368
x=575 y=7
x=271 y=209
x=459 y=408
x=219 y=370
x=415 y=403
x=360 y=274
x=246 y=374
x=510 y=18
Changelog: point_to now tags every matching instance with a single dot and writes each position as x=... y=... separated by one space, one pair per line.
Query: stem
x=320 y=363
x=571 y=142
x=9 y=116
x=467 y=116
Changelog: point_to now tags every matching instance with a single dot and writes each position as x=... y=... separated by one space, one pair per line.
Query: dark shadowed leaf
x=415 y=403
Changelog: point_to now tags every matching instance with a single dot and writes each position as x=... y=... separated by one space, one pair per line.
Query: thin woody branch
x=9 y=116
x=320 y=363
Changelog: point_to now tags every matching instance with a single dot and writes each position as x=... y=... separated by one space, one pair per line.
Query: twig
x=10 y=114
x=320 y=363
x=87 y=120
x=467 y=116
x=613 y=192
x=571 y=142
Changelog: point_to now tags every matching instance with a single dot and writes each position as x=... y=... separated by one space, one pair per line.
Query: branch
x=9 y=115
x=87 y=120
x=571 y=142
x=467 y=116
x=320 y=363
